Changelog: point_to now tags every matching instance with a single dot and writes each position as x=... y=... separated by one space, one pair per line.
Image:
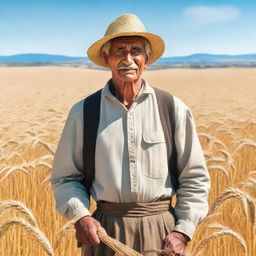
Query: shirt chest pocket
x=153 y=154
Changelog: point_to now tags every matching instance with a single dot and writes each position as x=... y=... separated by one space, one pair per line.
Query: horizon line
x=55 y=54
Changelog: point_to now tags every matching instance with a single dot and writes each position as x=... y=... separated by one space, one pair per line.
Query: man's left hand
x=176 y=243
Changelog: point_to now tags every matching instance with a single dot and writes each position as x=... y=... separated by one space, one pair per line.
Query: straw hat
x=126 y=25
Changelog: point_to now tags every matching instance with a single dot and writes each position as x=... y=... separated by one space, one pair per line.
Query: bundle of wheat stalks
x=117 y=246
x=124 y=250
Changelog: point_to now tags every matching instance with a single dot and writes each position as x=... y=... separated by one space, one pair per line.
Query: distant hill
x=202 y=58
x=199 y=60
x=40 y=58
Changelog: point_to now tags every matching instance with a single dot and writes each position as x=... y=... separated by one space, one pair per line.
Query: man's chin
x=128 y=78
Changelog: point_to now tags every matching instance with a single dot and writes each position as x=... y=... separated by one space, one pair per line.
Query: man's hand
x=86 y=231
x=176 y=244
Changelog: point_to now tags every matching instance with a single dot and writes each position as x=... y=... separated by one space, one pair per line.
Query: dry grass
x=223 y=105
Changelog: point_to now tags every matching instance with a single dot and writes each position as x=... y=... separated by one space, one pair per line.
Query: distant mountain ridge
x=192 y=60
x=207 y=58
x=38 y=57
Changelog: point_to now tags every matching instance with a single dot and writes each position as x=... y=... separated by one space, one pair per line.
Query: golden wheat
x=249 y=183
x=244 y=142
x=230 y=159
x=223 y=230
x=220 y=168
x=8 y=205
x=117 y=246
x=247 y=201
x=32 y=231
x=30 y=130
x=68 y=227
x=25 y=165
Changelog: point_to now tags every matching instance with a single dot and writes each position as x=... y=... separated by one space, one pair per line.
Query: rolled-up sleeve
x=194 y=179
x=72 y=200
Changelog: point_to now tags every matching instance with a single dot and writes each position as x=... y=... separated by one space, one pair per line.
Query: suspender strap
x=166 y=108
x=91 y=123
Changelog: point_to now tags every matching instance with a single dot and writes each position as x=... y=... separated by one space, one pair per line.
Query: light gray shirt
x=131 y=159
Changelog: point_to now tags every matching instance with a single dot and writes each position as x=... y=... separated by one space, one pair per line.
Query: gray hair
x=106 y=47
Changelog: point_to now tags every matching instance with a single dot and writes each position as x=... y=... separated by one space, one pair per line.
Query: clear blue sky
x=70 y=27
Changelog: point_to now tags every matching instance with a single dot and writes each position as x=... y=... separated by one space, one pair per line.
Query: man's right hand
x=86 y=231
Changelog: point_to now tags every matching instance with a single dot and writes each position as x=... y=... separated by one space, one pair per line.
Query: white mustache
x=132 y=66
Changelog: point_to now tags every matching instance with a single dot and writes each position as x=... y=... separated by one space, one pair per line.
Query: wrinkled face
x=127 y=58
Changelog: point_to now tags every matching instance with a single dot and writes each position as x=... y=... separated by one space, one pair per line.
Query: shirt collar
x=146 y=89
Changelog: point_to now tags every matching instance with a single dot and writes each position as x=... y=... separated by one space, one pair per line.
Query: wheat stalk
x=31 y=133
x=249 y=183
x=117 y=246
x=12 y=169
x=215 y=141
x=220 y=168
x=55 y=111
x=7 y=158
x=211 y=140
x=253 y=172
x=46 y=180
x=68 y=227
x=24 y=166
x=34 y=141
x=226 y=130
x=244 y=142
x=217 y=159
x=229 y=158
x=205 y=135
x=248 y=202
x=223 y=231
x=32 y=231
x=209 y=216
x=8 y=205
x=208 y=154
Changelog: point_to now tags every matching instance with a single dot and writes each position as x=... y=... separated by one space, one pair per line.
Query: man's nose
x=128 y=58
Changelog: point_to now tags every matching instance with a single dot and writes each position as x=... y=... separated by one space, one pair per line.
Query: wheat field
x=34 y=105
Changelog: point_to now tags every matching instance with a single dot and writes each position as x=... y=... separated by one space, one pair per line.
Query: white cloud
x=211 y=14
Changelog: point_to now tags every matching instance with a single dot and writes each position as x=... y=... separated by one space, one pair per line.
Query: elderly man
x=132 y=147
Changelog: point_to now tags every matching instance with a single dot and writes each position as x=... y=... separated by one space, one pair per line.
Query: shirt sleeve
x=194 y=179
x=72 y=200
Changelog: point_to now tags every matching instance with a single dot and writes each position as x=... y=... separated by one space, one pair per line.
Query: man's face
x=127 y=58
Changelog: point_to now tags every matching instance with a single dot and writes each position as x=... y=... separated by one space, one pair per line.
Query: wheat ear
x=33 y=231
x=8 y=205
x=244 y=142
x=223 y=230
x=247 y=200
x=68 y=227
x=249 y=183
x=220 y=168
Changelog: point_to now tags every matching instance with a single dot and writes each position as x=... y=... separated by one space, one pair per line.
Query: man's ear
x=105 y=57
x=146 y=63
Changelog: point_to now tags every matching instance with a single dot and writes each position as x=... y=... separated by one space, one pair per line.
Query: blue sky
x=70 y=27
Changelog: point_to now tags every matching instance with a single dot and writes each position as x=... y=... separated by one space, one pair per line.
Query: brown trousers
x=141 y=226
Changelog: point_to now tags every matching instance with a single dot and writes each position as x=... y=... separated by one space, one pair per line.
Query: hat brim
x=156 y=42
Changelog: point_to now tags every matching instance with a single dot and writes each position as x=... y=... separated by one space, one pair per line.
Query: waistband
x=134 y=209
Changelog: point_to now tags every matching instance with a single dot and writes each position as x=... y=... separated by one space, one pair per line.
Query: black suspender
x=166 y=108
x=91 y=123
